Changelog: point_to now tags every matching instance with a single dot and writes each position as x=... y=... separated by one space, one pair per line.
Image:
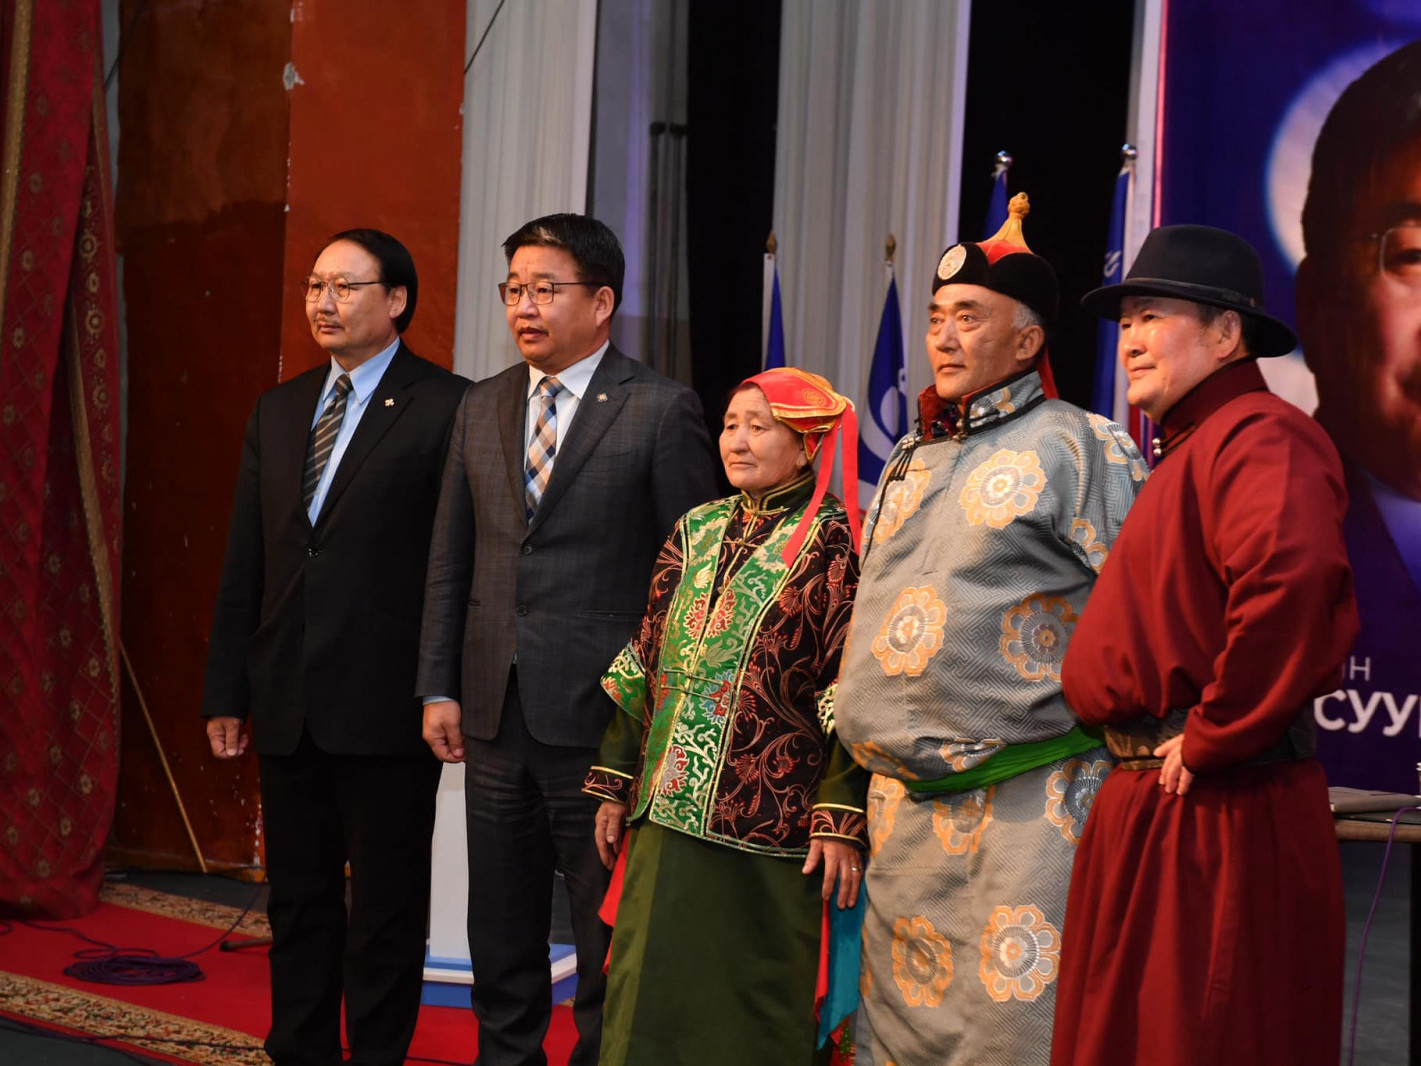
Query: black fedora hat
x=1205 y=265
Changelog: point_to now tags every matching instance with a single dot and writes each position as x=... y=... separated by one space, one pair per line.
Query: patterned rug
x=212 y=1021
x=197 y=911
x=218 y=1020
x=168 y=1036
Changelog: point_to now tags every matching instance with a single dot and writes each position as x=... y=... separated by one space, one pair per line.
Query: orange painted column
x=249 y=132
x=376 y=140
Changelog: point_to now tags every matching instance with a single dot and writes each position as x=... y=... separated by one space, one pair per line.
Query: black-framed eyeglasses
x=1399 y=252
x=314 y=288
x=540 y=292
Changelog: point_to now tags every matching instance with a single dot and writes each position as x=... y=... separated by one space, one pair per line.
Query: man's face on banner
x=1360 y=320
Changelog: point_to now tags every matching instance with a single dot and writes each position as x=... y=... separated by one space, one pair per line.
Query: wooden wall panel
x=376 y=140
x=249 y=131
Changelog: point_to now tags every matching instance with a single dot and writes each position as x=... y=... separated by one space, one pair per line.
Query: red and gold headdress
x=809 y=405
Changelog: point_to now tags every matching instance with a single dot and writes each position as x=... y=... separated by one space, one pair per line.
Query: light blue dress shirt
x=1402 y=516
x=364 y=380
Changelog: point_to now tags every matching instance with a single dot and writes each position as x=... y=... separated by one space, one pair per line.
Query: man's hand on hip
x=442 y=732
x=227 y=736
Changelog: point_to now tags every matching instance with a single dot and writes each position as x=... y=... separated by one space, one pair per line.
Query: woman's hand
x=1174 y=776
x=842 y=861
x=611 y=817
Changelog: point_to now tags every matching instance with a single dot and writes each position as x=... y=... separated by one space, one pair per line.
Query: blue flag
x=887 y=416
x=775 y=341
x=997 y=205
x=1107 y=365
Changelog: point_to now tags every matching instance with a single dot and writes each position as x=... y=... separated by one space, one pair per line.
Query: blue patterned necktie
x=544 y=445
x=323 y=440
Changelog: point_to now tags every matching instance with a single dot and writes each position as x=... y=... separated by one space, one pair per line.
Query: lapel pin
x=601 y=397
x=390 y=402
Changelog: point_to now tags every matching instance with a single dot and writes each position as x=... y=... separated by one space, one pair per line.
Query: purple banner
x=1304 y=136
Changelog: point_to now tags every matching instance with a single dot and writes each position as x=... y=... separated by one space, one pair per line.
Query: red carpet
x=230 y=1007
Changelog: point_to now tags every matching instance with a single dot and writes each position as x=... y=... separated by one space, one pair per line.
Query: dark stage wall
x=1060 y=106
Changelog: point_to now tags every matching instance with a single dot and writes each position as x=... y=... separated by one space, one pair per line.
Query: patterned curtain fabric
x=59 y=462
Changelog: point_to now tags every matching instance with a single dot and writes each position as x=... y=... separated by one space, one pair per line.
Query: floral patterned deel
x=1034 y=636
x=1071 y=791
x=1116 y=443
x=874 y=758
x=958 y=820
x=901 y=499
x=922 y=961
x=1021 y=954
x=912 y=633
x=1003 y=488
x=1086 y=541
x=884 y=796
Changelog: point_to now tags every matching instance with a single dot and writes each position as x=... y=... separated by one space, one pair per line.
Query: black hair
x=592 y=245
x=1249 y=326
x=1375 y=118
x=396 y=266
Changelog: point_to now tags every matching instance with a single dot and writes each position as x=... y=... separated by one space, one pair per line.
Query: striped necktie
x=543 y=446
x=323 y=440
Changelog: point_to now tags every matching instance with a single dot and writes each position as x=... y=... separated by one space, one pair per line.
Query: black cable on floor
x=108 y=964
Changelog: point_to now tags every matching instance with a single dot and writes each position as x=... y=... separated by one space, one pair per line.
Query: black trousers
x=527 y=816
x=319 y=811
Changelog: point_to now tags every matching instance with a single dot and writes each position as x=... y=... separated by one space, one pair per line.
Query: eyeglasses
x=1399 y=252
x=541 y=292
x=314 y=288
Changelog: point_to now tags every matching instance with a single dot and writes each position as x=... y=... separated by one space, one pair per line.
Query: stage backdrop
x=1245 y=90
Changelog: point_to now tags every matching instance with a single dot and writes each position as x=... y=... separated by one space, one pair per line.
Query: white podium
x=447 y=973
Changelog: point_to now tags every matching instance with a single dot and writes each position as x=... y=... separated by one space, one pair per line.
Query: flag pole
x=767 y=289
x=997 y=210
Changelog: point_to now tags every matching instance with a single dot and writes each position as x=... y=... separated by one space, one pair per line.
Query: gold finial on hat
x=771 y=244
x=1017 y=209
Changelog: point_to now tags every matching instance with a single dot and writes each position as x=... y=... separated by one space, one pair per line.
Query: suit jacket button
x=527 y=549
x=313 y=552
x=522 y=610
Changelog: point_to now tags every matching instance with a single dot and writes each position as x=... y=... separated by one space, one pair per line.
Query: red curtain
x=59 y=461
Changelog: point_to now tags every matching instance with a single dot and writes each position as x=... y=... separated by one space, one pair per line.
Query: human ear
x=399 y=296
x=603 y=304
x=1230 y=334
x=1030 y=343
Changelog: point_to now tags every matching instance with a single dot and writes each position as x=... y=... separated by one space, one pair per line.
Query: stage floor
x=1381 y=1029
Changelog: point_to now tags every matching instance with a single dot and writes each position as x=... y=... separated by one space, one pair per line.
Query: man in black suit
x=316 y=636
x=564 y=477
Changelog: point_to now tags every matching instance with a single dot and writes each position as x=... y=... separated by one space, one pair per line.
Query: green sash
x=1012 y=760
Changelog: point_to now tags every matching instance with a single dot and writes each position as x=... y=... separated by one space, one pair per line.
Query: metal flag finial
x=771 y=244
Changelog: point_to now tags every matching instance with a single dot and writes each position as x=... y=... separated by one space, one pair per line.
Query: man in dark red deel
x=1205 y=921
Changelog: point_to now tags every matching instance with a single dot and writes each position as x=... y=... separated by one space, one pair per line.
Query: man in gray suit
x=563 y=479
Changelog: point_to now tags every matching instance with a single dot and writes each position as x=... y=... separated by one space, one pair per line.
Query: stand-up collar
x=983 y=409
x=1203 y=400
x=781 y=497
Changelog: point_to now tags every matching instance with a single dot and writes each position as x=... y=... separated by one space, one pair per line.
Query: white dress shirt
x=574 y=381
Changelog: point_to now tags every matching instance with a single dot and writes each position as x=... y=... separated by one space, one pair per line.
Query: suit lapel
x=296 y=435
x=387 y=406
x=596 y=411
x=512 y=409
